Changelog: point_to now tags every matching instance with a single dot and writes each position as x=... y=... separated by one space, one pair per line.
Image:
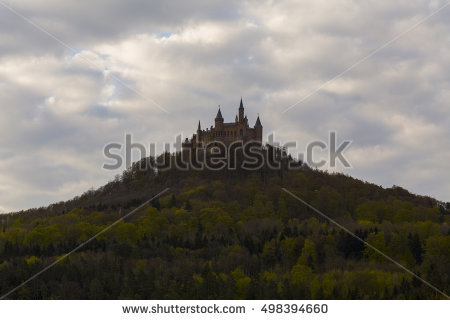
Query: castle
x=226 y=132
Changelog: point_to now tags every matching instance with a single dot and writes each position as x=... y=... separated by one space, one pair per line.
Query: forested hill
x=229 y=235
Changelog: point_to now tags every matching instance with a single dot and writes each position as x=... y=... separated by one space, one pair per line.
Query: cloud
x=62 y=104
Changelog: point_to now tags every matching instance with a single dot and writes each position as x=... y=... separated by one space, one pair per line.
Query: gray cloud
x=58 y=111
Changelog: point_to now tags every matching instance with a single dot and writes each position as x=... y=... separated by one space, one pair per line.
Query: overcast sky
x=75 y=75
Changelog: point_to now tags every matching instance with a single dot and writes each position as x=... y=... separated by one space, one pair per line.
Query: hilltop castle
x=226 y=132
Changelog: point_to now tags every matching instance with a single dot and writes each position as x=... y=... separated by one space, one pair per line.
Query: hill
x=229 y=235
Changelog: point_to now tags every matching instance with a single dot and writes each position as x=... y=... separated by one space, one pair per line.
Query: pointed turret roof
x=219 y=114
x=258 y=122
x=199 y=127
x=241 y=106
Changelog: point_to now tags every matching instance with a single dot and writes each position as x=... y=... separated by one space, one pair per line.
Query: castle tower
x=199 y=134
x=219 y=121
x=258 y=129
x=241 y=112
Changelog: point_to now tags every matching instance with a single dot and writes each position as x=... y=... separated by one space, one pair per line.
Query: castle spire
x=219 y=114
x=258 y=122
x=199 y=127
x=241 y=112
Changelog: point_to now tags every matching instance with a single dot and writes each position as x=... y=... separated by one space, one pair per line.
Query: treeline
x=230 y=235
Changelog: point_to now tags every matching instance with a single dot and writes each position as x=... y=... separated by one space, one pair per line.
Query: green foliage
x=308 y=256
x=229 y=235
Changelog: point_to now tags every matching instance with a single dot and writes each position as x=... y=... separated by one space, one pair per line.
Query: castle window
x=241 y=133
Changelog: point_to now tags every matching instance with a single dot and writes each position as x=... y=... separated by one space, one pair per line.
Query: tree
x=156 y=204
x=415 y=246
x=301 y=277
x=187 y=205
x=308 y=256
x=173 y=201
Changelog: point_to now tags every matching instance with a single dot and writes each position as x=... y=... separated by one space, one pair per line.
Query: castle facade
x=226 y=132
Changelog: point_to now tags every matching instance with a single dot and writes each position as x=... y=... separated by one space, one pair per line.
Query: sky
x=75 y=76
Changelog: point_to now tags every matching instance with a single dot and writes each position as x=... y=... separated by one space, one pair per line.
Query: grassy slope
x=229 y=235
